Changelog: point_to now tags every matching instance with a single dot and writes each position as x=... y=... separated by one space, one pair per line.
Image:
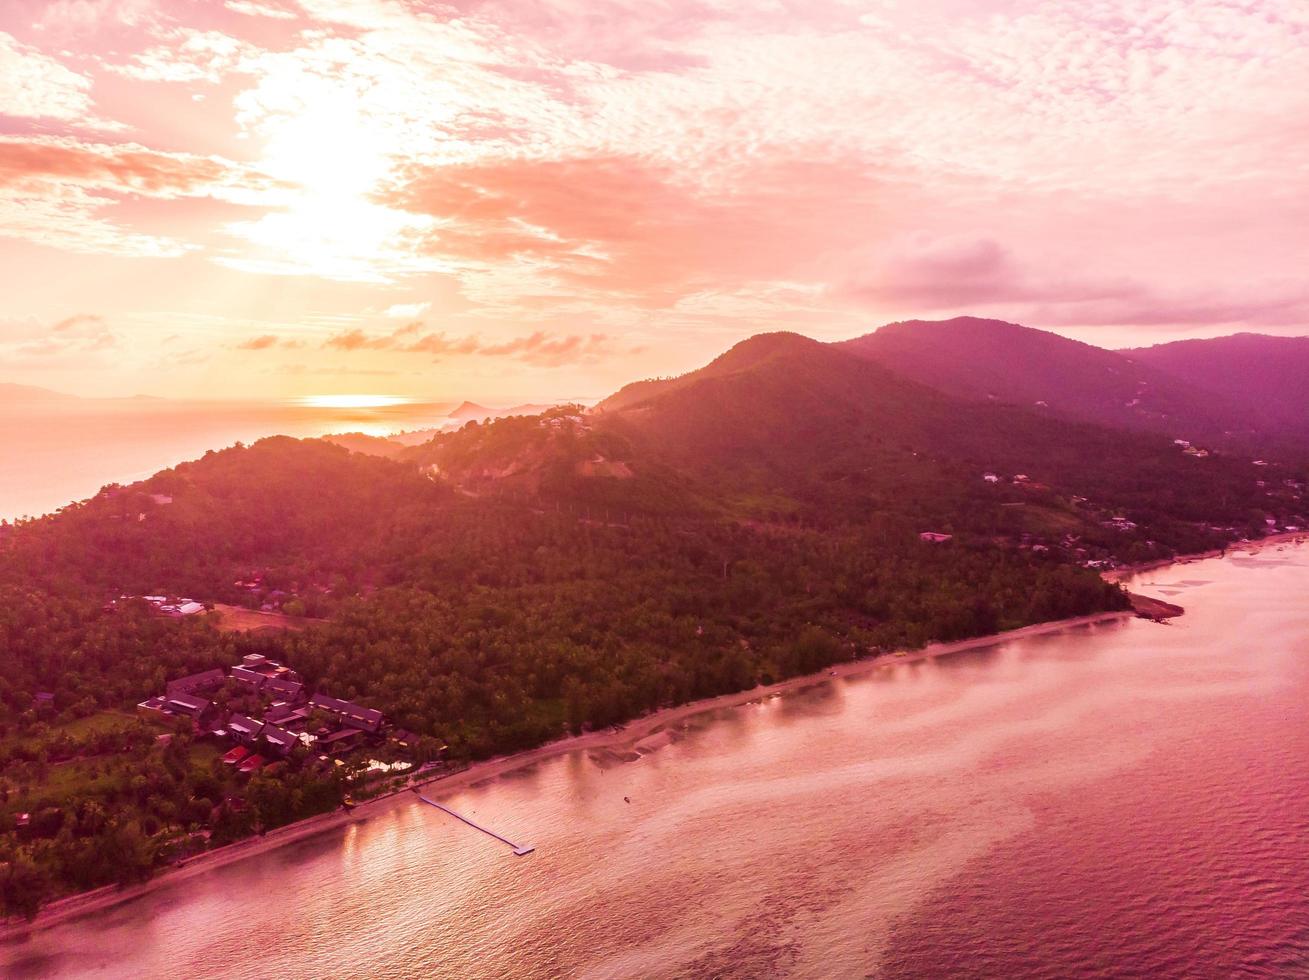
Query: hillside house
x=188 y=705
x=244 y=729
x=257 y=663
x=292 y=692
x=935 y=537
x=201 y=683
x=252 y=679
x=280 y=741
x=287 y=715
x=351 y=714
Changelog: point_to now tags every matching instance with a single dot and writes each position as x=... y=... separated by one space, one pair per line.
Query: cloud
x=259 y=10
x=36 y=86
x=88 y=16
x=71 y=339
x=190 y=55
x=269 y=341
x=615 y=226
x=541 y=350
x=58 y=191
x=123 y=168
x=407 y=309
x=962 y=274
x=962 y=271
x=537 y=348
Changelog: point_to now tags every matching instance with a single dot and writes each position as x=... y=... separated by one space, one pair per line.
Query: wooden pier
x=518 y=849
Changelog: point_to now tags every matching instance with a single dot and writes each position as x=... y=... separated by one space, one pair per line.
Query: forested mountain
x=991 y=360
x=1271 y=373
x=785 y=426
x=511 y=581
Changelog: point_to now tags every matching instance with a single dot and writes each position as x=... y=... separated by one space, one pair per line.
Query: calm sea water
x=52 y=455
x=1129 y=799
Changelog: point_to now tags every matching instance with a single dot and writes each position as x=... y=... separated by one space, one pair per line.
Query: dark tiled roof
x=290 y=689
x=248 y=676
x=187 y=704
x=243 y=726
x=283 y=740
x=369 y=719
x=206 y=680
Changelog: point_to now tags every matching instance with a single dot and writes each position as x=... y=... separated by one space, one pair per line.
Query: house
x=259 y=664
x=41 y=698
x=286 y=690
x=936 y=537
x=244 y=729
x=237 y=755
x=279 y=740
x=161 y=499
x=288 y=716
x=249 y=677
x=188 y=607
x=991 y=477
x=255 y=761
x=201 y=683
x=188 y=705
x=356 y=716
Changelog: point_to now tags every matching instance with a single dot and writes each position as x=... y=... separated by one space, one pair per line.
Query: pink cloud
x=959 y=274
x=268 y=341
x=638 y=228
x=121 y=168
x=537 y=348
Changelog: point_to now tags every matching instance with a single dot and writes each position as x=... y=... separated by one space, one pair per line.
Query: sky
x=523 y=200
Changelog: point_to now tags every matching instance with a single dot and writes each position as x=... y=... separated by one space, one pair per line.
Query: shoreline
x=1250 y=547
x=110 y=896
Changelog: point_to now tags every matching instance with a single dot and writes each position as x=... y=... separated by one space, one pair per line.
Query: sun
x=353 y=401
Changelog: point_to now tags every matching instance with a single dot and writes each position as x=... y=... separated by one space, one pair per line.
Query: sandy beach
x=625 y=738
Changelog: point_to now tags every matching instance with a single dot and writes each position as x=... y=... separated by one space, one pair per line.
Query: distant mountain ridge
x=16 y=394
x=1271 y=372
x=1240 y=391
x=994 y=360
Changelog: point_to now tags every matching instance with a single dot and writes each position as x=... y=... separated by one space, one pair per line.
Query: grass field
x=234 y=619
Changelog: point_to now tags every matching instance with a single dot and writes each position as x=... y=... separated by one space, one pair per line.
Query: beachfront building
x=351 y=714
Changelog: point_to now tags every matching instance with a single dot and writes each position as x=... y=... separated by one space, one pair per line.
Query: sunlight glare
x=353 y=401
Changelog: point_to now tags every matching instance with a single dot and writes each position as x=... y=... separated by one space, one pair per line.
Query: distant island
x=280 y=629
